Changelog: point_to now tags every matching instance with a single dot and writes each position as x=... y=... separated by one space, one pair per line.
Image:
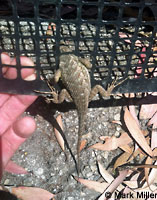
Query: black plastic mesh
x=119 y=37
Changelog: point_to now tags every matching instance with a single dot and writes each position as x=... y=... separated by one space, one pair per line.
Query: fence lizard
x=73 y=72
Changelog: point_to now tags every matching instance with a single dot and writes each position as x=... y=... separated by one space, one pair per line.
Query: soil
x=52 y=169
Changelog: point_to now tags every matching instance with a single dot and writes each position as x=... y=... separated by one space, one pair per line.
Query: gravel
x=52 y=169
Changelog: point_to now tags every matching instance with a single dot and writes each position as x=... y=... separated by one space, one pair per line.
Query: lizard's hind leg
x=59 y=98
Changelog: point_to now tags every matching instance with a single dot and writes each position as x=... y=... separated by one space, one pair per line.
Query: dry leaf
x=93 y=185
x=131 y=184
x=149 y=160
x=103 y=138
x=126 y=148
x=83 y=144
x=123 y=159
x=145 y=189
x=126 y=157
x=151 y=178
x=147 y=111
x=136 y=132
x=57 y=133
x=155 y=152
x=147 y=170
x=153 y=120
x=101 y=146
x=154 y=138
x=107 y=176
x=124 y=139
x=113 y=186
x=133 y=113
x=112 y=143
x=29 y=193
x=117 y=122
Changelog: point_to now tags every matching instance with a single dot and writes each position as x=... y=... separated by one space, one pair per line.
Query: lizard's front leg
x=55 y=97
x=59 y=98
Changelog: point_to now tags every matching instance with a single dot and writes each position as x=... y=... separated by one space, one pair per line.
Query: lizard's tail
x=82 y=119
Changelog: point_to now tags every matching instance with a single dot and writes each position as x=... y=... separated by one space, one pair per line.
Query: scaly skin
x=76 y=79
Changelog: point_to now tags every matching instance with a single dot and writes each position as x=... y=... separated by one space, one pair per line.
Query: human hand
x=14 y=130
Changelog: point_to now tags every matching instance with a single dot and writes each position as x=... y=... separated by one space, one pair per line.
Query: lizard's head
x=64 y=48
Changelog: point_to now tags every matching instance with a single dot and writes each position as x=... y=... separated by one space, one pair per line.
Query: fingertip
x=25 y=72
x=25 y=61
x=5 y=58
x=11 y=72
x=24 y=127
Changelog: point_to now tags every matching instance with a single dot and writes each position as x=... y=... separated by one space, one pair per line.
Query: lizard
x=74 y=74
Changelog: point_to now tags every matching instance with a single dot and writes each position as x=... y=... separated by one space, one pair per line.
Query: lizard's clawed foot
x=114 y=84
x=53 y=94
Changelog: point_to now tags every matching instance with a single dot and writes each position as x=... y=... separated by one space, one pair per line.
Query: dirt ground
x=52 y=169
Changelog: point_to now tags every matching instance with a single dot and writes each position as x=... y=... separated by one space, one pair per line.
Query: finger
x=24 y=127
x=15 y=104
x=25 y=72
x=11 y=72
x=15 y=136
x=13 y=108
x=3 y=99
x=5 y=59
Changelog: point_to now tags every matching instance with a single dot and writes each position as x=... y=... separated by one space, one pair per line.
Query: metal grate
x=119 y=37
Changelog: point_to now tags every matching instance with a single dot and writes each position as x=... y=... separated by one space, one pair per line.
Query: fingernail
x=30 y=77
